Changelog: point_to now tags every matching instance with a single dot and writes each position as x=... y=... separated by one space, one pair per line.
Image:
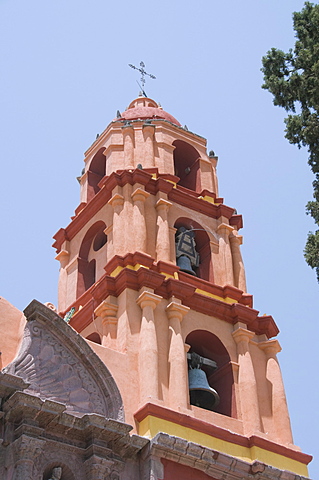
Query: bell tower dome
x=151 y=274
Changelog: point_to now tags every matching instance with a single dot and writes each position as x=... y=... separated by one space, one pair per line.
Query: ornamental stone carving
x=59 y=365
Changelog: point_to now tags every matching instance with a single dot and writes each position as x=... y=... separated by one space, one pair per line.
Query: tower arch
x=209 y=346
x=202 y=241
x=186 y=166
x=96 y=172
x=89 y=260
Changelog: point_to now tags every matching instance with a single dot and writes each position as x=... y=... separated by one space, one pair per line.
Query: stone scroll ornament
x=59 y=365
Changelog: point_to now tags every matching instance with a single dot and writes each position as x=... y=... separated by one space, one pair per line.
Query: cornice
x=179 y=195
x=218 y=432
x=135 y=271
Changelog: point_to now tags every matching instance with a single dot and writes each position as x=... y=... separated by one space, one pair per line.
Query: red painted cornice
x=180 y=195
x=164 y=413
x=185 y=289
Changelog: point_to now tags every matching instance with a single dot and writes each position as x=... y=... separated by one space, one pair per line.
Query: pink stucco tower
x=152 y=269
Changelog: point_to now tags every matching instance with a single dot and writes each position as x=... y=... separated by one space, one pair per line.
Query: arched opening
x=94 y=337
x=209 y=346
x=93 y=241
x=95 y=173
x=186 y=165
x=55 y=469
x=205 y=268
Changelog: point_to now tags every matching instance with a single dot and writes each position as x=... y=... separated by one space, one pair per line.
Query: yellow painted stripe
x=151 y=426
x=130 y=267
x=208 y=199
x=211 y=295
x=167 y=275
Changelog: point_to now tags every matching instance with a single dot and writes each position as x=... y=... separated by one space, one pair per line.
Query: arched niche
x=186 y=165
x=209 y=346
x=94 y=337
x=205 y=269
x=66 y=471
x=93 y=241
x=95 y=173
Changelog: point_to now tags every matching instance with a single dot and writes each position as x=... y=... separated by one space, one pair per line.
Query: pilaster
x=148 y=351
x=238 y=264
x=178 y=382
x=118 y=239
x=26 y=450
x=249 y=404
x=139 y=196
x=63 y=257
x=128 y=140
x=163 y=246
x=107 y=311
x=279 y=407
x=148 y=133
x=224 y=231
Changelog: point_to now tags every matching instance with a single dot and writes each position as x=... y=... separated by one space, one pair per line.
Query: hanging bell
x=201 y=393
x=185 y=265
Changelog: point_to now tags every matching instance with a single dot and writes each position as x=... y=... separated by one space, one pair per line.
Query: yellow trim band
x=151 y=426
x=130 y=267
x=211 y=295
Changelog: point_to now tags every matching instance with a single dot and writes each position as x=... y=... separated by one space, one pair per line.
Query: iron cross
x=143 y=72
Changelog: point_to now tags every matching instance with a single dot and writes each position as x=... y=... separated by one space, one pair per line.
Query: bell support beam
x=178 y=383
x=148 y=350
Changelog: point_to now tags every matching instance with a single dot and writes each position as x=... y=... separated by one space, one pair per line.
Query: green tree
x=293 y=79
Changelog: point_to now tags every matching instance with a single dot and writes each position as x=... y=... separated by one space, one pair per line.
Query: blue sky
x=63 y=75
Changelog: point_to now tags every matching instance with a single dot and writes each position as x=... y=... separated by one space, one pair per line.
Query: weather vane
x=143 y=72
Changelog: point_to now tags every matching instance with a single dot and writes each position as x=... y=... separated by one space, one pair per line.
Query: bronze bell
x=184 y=263
x=201 y=393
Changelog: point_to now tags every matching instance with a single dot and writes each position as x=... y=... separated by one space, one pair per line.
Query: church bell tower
x=151 y=275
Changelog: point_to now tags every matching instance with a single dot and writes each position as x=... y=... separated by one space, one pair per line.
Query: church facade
x=155 y=364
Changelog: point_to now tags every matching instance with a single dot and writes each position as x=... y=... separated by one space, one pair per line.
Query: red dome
x=145 y=108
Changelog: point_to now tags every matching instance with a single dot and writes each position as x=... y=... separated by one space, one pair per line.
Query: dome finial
x=143 y=72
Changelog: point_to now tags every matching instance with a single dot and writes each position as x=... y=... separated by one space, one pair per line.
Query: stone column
x=148 y=132
x=139 y=225
x=97 y=468
x=224 y=231
x=148 y=351
x=178 y=381
x=249 y=405
x=238 y=264
x=118 y=235
x=107 y=311
x=128 y=140
x=26 y=450
x=278 y=397
x=163 y=247
x=63 y=257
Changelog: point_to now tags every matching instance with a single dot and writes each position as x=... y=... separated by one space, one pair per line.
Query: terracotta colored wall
x=174 y=471
x=12 y=323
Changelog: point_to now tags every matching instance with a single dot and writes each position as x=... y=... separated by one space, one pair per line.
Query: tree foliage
x=293 y=79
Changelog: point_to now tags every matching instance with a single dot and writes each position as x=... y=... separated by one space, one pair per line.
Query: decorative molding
x=215 y=464
x=59 y=365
